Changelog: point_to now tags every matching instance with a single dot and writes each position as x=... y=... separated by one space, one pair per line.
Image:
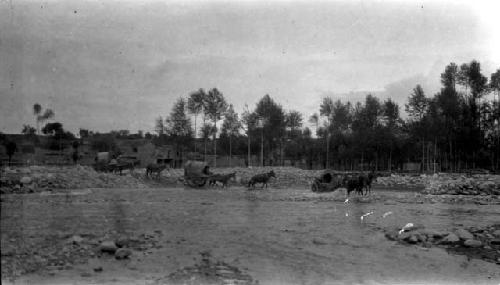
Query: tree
x=272 y=116
x=195 y=106
x=28 y=130
x=53 y=129
x=392 y=124
x=47 y=115
x=293 y=120
x=37 y=110
x=293 y=123
x=40 y=118
x=206 y=131
x=178 y=123
x=11 y=148
x=450 y=76
x=417 y=107
x=58 y=136
x=215 y=107
x=84 y=133
x=178 y=126
x=417 y=104
x=495 y=87
x=159 y=126
x=326 y=110
x=75 y=154
x=248 y=120
x=314 y=119
x=231 y=126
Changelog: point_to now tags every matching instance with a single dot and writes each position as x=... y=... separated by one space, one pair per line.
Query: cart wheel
x=196 y=182
x=201 y=182
x=314 y=187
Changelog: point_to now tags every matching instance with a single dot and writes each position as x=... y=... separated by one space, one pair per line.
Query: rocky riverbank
x=476 y=242
x=47 y=178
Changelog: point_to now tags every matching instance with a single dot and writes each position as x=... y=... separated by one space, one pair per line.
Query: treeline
x=455 y=129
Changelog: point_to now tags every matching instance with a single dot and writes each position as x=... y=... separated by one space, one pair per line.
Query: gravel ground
x=236 y=236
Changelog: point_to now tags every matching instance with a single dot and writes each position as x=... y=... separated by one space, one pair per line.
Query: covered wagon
x=327 y=182
x=196 y=173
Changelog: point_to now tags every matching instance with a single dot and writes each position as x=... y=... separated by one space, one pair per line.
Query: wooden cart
x=328 y=181
x=196 y=173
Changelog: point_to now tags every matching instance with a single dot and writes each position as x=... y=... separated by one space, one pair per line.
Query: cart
x=328 y=181
x=196 y=173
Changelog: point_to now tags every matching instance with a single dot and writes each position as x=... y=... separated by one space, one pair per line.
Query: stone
x=495 y=241
x=496 y=233
x=413 y=239
x=76 y=239
x=435 y=233
x=123 y=241
x=464 y=234
x=319 y=241
x=108 y=246
x=98 y=269
x=404 y=236
x=450 y=239
x=473 y=243
x=25 y=180
x=122 y=253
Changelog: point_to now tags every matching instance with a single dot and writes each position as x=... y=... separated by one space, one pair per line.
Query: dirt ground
x=273 y=236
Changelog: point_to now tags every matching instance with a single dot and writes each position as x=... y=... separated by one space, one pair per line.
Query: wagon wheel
x=315 y=187
x=196 y=181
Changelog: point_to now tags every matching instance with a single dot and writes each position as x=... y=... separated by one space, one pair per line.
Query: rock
x=464 y=234
x=496 y=233
x=76 y=239
x=108 y=246
x=25 y=180
x=319 y=241
x=391 y=236
x=404 y=236
x=98 y=269
x=450 y=239
x=434 y=233
x=122 y=253
x=413 y=239
x=123 y=242
x=473 y=243
x=495 y=241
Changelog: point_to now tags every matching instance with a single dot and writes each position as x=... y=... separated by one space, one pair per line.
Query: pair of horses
x=259 y=178
x=155 y=168
x=359 y=183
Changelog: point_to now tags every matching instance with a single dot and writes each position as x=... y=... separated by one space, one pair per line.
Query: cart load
x=196 y=173
x=328 y=181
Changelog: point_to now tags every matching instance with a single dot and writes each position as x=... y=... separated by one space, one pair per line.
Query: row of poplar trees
x=457 y=128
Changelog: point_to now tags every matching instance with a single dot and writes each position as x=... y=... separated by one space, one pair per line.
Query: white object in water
x=386 y=214
x=365 y=215
x=409 y=225
x=346 y=201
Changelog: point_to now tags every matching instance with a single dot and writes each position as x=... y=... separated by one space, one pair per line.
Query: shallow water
x=280 y=236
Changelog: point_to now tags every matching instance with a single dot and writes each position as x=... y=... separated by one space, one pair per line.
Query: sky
x=109 y=65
